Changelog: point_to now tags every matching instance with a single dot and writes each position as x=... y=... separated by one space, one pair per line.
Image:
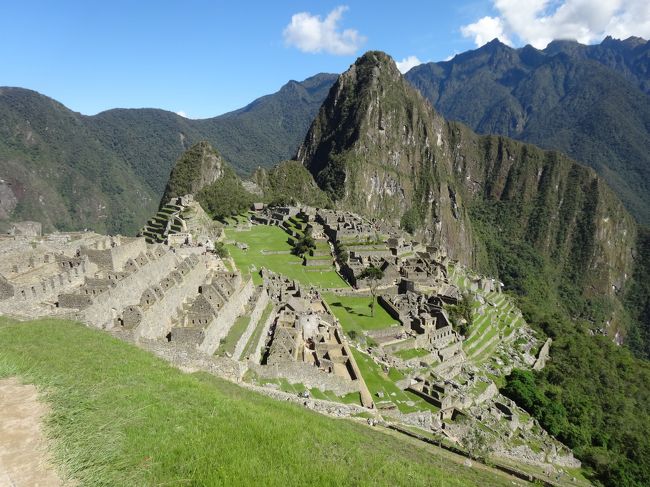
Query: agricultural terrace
x=268 y=246
x=121 y=416
x=497 y=320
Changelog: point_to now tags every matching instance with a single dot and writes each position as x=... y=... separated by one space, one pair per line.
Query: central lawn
x=262 y=238
x=121 y=416
x=354 y=313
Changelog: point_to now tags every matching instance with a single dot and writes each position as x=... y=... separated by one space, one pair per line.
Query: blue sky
x=204 y=58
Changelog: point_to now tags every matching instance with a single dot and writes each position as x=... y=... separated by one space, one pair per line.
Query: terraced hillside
x=166 y=221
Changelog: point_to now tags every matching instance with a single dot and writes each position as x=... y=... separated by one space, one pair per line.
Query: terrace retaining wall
x=256 y=314
x=223 y=321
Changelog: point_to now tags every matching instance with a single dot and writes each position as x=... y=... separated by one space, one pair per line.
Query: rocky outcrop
x=198 y=167
x=376 y=147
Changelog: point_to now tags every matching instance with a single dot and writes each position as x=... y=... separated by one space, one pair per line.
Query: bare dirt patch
x=24 y=460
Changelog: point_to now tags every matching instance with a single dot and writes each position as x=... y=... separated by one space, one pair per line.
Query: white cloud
x=538 y=22
x=407 y=63
x=182 y=114
x=484 y=30
x=309 y=33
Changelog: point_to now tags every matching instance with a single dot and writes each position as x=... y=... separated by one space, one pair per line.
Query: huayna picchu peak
x=378 y=147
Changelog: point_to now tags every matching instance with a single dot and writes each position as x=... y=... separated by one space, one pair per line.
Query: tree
x=374 y=275
x=463 y=311
x=304 y=244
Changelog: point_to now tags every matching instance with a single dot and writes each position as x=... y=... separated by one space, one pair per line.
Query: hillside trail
x=24 y=461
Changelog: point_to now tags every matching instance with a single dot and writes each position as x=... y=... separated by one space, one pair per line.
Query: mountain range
x=108 y=171
x=590 y=102
x=549 y=228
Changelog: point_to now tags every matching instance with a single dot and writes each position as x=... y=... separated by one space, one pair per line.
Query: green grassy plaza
x=354 y=313
x=267 y=238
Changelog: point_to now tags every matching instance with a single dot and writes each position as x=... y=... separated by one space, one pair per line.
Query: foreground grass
x=271 y=238
x=120 y=416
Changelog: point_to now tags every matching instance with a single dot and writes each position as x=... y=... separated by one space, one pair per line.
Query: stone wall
x=225 y=318
x=311 y=377
x=108 y=305
x=48 y=287
x=157 y=319
x=74 y=300
x=256 y=357
x=256 y=314
x=6 y=289
x=366 y=397
x=114 y=258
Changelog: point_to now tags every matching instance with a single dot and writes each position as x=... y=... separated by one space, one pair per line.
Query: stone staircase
x=166 y=221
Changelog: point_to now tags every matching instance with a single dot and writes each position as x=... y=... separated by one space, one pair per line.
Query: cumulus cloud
x=182 y=114
x=484 y=30
x=538 y=22
x=310 y=33
x=407 y=63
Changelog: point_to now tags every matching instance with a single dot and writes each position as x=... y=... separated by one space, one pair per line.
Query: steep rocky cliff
x=590 y=102
x=198 y=167
x=377 y=147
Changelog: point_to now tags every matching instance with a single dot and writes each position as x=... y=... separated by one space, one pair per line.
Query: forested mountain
x=107 y=172
x=590 y=102
x=549 y=228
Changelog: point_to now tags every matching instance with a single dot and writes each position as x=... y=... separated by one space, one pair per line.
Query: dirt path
x=23 y=455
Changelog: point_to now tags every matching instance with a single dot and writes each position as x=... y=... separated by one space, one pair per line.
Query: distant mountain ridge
x=590 y=102
x=108 y=171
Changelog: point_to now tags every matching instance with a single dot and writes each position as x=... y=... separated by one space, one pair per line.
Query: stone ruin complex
x=306 y=344
x=170 y=289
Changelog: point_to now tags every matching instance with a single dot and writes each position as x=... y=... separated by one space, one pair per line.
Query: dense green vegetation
x=107 y=172
x=637 y=298
x=225 y=197
x=60 y=174
x=592 y=395
x=303 y=244
x=290 y=183
x=590 y=102
x=120 y=416
x=196 y=167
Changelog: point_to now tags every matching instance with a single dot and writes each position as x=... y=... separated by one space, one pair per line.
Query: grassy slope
x=123 y=417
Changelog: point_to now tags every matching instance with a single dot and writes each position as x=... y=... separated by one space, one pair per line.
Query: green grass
x=121 y=416
x=378 y=381
x=230 y=340
x=411 y=353
x=271 y=238
x=257 y=333
x=354 y=313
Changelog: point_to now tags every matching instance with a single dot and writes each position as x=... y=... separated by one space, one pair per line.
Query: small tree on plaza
x=374 y=275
